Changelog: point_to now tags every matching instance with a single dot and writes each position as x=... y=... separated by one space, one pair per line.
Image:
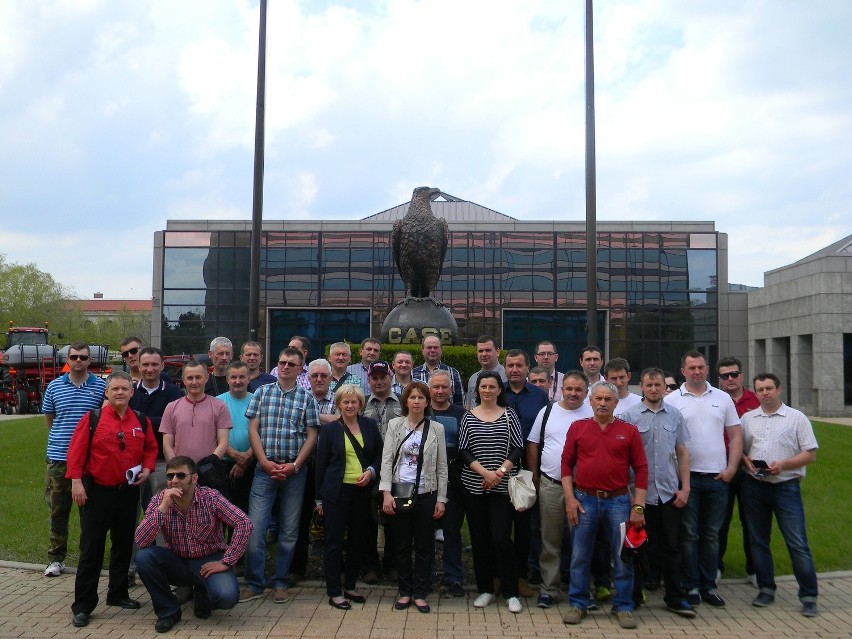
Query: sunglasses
x=179 y=476
x=121 y=444
x=731 y=375
x=129 y=352
x=286 y=364
x=82 y=358
x=672 y=386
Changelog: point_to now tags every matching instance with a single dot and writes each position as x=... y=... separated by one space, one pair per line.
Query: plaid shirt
x=326 y=404
x=199 y=531
x=421 y=374
x=285 y=417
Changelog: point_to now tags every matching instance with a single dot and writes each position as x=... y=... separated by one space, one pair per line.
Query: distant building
x=100 y=309
x=662 y=286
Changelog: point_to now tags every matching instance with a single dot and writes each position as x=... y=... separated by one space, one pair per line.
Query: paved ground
x=33 y=606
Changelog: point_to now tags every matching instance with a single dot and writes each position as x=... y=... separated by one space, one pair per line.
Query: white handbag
x=522 y=490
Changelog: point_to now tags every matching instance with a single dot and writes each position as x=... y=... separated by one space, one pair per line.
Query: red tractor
x=30 y=363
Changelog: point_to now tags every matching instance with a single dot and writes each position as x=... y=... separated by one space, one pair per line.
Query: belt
x=602 y=494
x=704 y=474
x=549 y=478
x=283 y=461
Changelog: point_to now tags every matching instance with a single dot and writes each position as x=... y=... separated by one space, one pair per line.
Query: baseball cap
x=378 y=368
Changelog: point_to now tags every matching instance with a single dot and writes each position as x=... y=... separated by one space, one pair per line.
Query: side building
x=662 y=286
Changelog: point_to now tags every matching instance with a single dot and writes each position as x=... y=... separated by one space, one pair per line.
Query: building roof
x=833 y=258
x=112 y=306
x=449 y=207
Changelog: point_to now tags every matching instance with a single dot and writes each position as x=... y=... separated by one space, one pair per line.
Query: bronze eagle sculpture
x=419 y=242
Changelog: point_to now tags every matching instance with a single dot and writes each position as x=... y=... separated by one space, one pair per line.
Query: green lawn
x=24 y=515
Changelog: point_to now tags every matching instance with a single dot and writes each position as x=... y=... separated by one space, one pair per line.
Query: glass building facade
x=520 y=281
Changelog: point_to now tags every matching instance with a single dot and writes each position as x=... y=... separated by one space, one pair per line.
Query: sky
x=117 y=116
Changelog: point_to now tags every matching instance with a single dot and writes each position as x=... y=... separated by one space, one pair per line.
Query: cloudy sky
x=116 y=116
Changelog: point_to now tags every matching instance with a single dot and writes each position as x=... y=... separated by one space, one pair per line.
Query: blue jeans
x=784 y=500
x=609 y=513
x=701 y=520
x=158 y=567
x=451 y=523
x=264 y=490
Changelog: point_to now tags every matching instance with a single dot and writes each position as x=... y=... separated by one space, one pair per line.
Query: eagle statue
x=419 y=242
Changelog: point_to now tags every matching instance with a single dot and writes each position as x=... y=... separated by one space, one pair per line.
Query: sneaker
x=439 y=535
x=762 y=600
x=248 y=594
x=712 y=598
x=54 y=569
x=483 y=600
x=573 y=615
x=593 y=605
x=280 y=596
x=693 y=598
x=455 y=589
x=602 y=593
x=681 y=608
x=544 y=601
x=809 y=609
x=514 y=605
x=626 y=619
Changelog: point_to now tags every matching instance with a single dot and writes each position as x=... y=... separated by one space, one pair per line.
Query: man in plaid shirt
x=283 y=425
x=180 y=512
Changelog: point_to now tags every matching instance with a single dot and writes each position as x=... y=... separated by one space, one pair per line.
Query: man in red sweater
x=599 y=453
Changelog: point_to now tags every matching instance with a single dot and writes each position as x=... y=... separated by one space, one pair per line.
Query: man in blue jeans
x=188 y=559
x=709 y=414
x=599 y=453
x=783 y=439
x=283 y=425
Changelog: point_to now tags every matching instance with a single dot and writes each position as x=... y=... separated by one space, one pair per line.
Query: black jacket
x=331 y=456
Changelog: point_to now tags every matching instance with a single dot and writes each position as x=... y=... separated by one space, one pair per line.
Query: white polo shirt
x=555 y=433
x=707 y=415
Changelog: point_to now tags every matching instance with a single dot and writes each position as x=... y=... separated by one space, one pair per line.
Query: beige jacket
x=434 y=473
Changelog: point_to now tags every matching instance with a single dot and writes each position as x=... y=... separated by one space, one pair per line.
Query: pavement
x=36 y=607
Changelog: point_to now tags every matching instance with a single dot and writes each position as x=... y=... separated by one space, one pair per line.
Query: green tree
x=28 y=296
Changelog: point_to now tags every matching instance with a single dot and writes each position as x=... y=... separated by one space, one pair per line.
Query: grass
x=24 y=518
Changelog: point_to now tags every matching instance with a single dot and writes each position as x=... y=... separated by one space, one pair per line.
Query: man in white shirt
x=544 y=459
x=617 y=371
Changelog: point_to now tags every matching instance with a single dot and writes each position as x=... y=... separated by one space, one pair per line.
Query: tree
x=28 y=296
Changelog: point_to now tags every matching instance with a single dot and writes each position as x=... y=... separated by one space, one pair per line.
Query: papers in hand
x=132 y=474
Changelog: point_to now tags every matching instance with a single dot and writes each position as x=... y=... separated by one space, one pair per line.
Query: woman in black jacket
x=349 y=455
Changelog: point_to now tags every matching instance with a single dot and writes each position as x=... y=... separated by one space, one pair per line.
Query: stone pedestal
x=417 y=317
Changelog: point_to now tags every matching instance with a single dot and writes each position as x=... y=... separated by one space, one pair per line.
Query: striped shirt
x=285 y=417
x=68 y=403
x=489 y=443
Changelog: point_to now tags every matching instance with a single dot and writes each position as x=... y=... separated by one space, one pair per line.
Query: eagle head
x=421 y=197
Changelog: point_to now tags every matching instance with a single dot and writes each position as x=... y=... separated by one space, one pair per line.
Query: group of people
x=385 y=445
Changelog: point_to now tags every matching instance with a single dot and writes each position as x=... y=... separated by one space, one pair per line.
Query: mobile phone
x=762 y=468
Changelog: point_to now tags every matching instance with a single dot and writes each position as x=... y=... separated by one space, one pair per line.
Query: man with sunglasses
x=202 y=562
x=129 y=349
x=731 y=379
x=66 y=400
x=99 y=461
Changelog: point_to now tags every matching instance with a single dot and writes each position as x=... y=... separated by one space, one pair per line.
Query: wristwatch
x=502 y=469
x=296 y=466
x=639 y=509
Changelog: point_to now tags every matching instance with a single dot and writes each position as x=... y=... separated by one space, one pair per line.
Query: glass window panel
x=185 y=238
x=184 y=267
x=702 y=240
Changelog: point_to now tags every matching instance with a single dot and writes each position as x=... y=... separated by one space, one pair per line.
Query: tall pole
x=257 y=193
x=591 y=192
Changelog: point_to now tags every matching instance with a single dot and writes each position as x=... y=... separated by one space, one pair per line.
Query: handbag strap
x=541 y=433
x=359 y=449
x=422 y=447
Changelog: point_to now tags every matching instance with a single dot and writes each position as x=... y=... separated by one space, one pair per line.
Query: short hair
x=440 y=372
x=119 y=375
x=501 y=398
x=692 y=354
x=616 y=364
x=252 y=344
x=236 y=364
x=306 y=343
x=150 y=350
x=193 y=363
x=368 y=340
x=669 y=374
x=422 y=388
x=545 y=341
x=576 y=375
x=607 y=385
x=79 y=346
x=653 y=371
x=320 y=363
x=591 y=348
x=517 y=352
x=182 y=461
x=292 y=352
x=216 y=342
x=398 y=353
x=131 y=339
x=538 y=370
x=349 y=389
x=729 y=361
x=425 y=337
x=340 y=346
x=482 y=339
x=762 y=377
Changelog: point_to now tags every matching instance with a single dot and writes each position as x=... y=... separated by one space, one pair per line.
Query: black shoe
x=682 y=608
x=424 y=608
x=354 y=597
x=80 y=619
x=712 y=598
x=809 y=609
x=762 y=600
x=651 y=585
x=693 y=599
x=164 y=624
x=455 y=589
x=201 y=613
x=343 y=605
x=127 y=604
x=401 y=605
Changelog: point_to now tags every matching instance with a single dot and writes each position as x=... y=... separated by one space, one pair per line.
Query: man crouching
x=181 y=511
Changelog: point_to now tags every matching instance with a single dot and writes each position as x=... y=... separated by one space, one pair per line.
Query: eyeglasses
x=320 y=375
x=672 y=386
x=129 y=352
x=179 y=476
x=731 y=375
x=121 y=444
x=543 y=354
x=285 y=364
x=82 y=358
